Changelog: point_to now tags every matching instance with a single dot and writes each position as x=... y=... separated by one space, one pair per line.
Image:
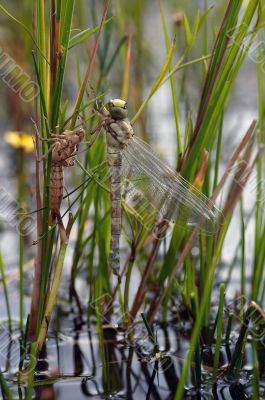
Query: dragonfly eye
x=81 y=133
x=118 y=108
x=118 y=113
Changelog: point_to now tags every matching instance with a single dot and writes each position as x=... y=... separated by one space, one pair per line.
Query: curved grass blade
x=85 y=34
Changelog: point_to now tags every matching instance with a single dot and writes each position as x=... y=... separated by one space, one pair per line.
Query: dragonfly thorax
x=66 y=147
x=119 y=132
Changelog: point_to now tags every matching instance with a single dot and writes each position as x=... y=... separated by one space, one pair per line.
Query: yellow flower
x=19 y=140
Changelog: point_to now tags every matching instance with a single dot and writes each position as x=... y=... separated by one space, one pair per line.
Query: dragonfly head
x=80 y=133
x=117 y=108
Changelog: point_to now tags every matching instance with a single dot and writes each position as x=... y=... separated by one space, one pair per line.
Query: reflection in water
x=80 y=363
x=105 y=366
x=44 y=392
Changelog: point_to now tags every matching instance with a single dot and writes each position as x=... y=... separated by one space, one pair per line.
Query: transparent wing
x=151 y=184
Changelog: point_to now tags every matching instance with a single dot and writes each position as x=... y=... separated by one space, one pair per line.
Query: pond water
x=71 y=366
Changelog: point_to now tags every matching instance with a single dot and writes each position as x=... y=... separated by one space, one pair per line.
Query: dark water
x=80 y=362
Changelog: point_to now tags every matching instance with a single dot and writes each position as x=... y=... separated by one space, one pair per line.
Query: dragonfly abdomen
x=114 y=161
x=56 y=189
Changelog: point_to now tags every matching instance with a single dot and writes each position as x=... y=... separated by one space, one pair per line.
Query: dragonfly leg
x=94 y=138
x=58 y=144
x=55 y=136
x=68 y=120
x=76 y=113
x=45 y=156
x=51 y=139
x=96 y=129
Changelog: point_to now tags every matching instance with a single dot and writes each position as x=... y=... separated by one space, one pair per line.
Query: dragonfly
x=137 y=174
x=63 y=150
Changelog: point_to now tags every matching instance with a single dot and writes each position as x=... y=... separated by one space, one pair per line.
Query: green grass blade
x=172 y=83
x=85 y=34
x=3 y=278
x=66 y=23
x=4 y=387
x=157 y=82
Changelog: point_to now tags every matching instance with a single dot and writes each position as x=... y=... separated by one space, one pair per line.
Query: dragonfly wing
x=165 y=191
